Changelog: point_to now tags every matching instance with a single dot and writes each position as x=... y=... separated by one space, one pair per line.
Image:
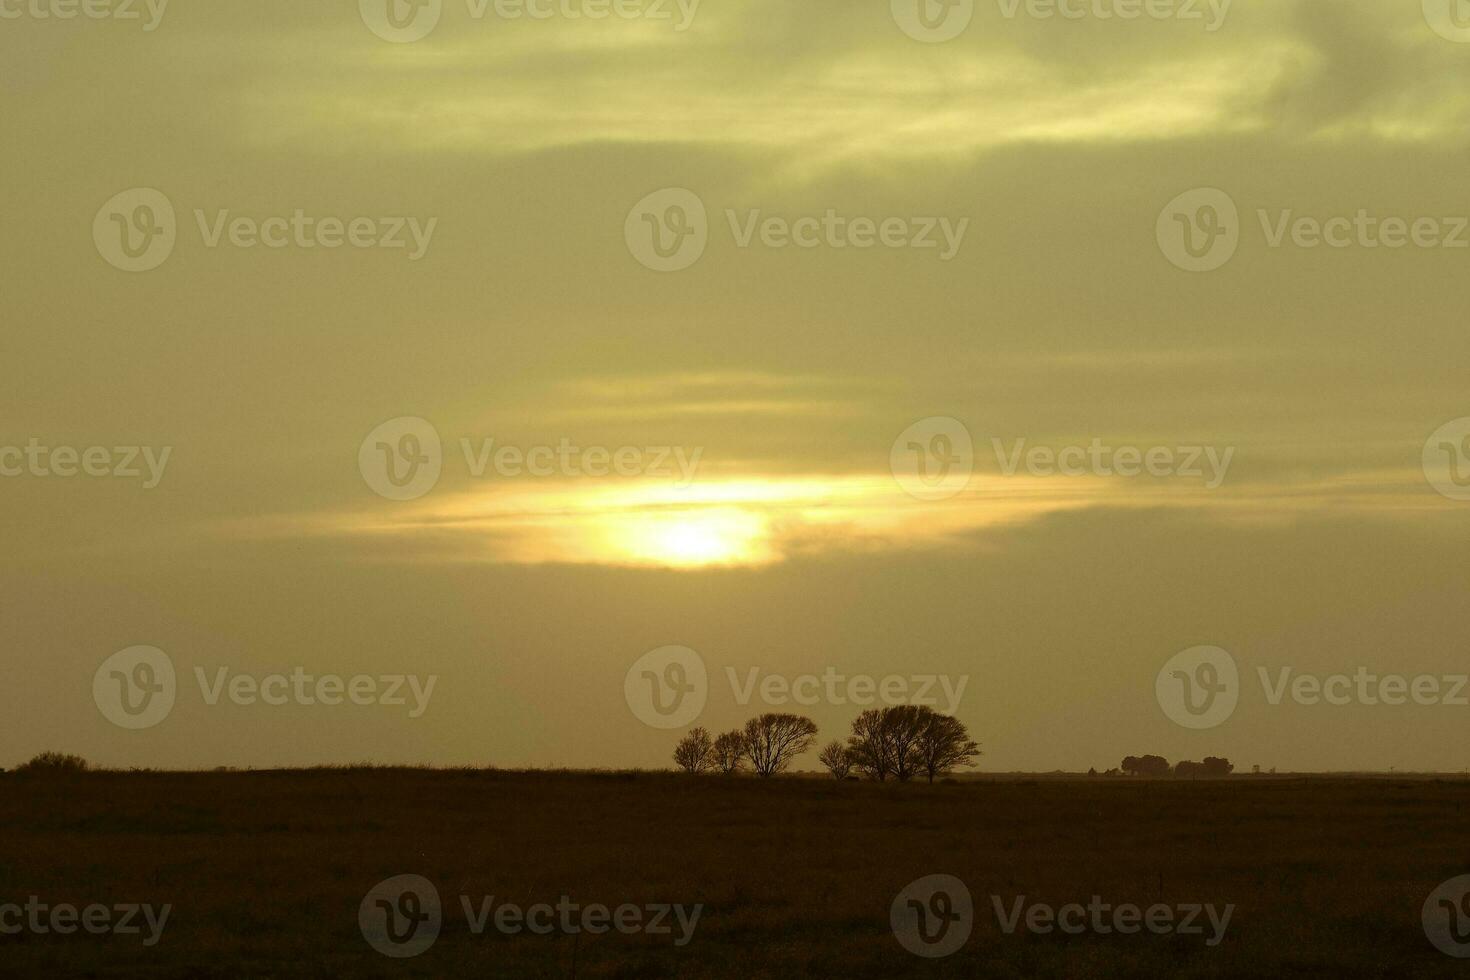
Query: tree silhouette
x=773 y=740
x=729 y=752
x=695 y=751
x=905 y=739
x=837 y=759
x=944 y=744
x=1147 y=765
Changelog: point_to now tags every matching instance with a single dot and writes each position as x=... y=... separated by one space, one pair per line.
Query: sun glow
x=713 y=523
x=686 y=539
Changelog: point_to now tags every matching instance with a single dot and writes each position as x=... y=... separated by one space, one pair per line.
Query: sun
x=693 y=538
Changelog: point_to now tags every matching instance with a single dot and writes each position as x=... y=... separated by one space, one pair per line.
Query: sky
x=983 y=351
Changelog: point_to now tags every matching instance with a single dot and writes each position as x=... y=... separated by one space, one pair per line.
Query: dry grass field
x=265 y=871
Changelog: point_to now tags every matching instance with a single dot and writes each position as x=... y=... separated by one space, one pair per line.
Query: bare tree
x=837 y=760
x=904 y=725
x=729 y=752
x=773 y=740
x=944 y=745
x=867 y=748
x=884 y=741
x=695 y=751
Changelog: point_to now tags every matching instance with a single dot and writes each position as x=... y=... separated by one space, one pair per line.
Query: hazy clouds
x=527 y=320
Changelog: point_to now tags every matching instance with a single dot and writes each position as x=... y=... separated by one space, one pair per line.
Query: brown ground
x=265 y=871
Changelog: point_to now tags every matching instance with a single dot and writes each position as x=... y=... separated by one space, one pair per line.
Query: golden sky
x=762 y=391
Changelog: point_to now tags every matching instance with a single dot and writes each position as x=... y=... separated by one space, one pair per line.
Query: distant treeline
x=897 y=742
x=1157 y=765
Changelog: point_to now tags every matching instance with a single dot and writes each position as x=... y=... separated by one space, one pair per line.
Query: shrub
x=54 y=762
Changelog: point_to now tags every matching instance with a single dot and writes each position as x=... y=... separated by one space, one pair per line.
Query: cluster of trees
x=769 y=743
x=1157 y=765
x=53 y=762
x=898 y=742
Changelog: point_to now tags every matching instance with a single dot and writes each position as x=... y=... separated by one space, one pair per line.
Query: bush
x=54 y=762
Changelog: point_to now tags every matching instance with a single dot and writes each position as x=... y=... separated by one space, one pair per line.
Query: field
x=265 y=871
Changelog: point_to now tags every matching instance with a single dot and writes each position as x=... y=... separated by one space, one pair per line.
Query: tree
x=892 y=742
x=837 y=760
x=54 y=762
x=1188 y=769
x=944 y=744
x=903 y=726
x=773 y=740
x=695 y=751
x=867 y=747
x=1216 y=766
x=729 y=752
x=1148 y=765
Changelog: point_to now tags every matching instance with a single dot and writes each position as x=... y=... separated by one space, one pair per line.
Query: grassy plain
x=265 y=871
